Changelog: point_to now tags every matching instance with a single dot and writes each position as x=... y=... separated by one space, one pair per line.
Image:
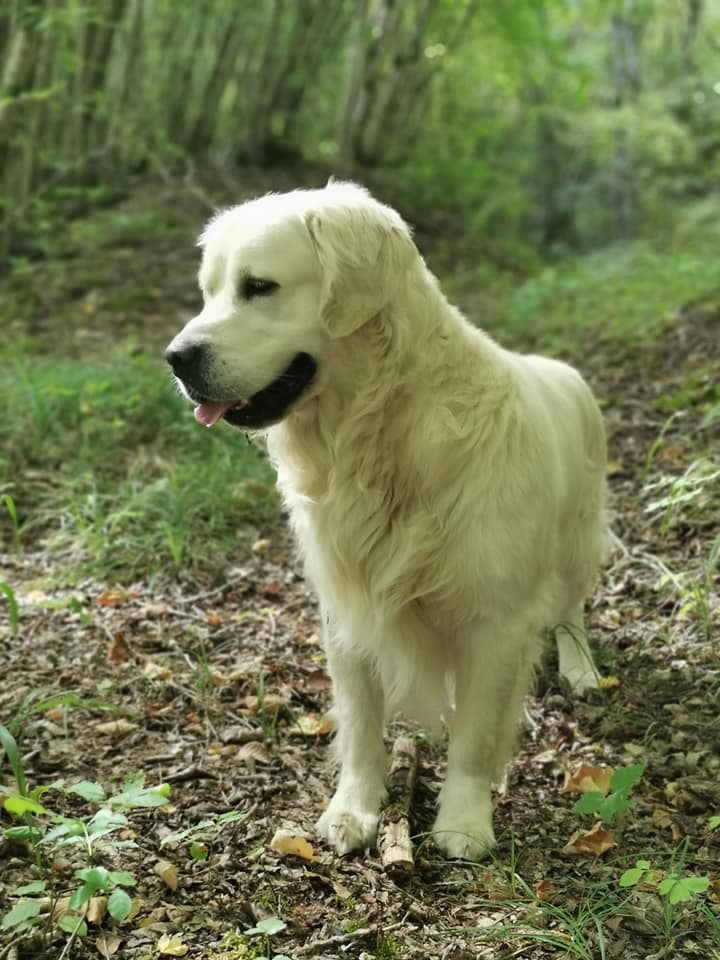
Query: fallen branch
x=394 y=844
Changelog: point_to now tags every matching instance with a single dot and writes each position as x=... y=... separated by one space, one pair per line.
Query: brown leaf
x=116 y=728
x=118 y=650
x=311 y=725
x=96 y=910
x=317 y=680
x=289 y=844
x=271 y=702
x=663 y=818
x=587 y=779
x=167 y=872
x=169 y=946
x=544 y=889
x=595 y=842
x=136 y=905
x=254 y=750
x=153 y=671
x=272 y=590
x=111 y=598
x=213 y=619
x=56 y=714
x=151 y=611
x=107 y=944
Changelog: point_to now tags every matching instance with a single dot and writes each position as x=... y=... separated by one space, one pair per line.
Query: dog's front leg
x=350 y=821
x=491 y=681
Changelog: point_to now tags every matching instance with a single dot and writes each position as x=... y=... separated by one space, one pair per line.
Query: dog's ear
x=364 y=251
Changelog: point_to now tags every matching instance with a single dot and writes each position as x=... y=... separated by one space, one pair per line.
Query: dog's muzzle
x=269 y=405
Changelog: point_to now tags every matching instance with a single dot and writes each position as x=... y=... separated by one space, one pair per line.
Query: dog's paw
x=463 y=837
x=348 y=829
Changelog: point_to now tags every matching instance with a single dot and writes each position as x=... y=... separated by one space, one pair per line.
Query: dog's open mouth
x=268 y=405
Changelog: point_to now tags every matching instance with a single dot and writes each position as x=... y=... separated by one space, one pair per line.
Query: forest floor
x=217 y=688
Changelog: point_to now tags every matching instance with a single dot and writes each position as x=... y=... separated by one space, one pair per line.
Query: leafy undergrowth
x=203 y=687
x=101 y=459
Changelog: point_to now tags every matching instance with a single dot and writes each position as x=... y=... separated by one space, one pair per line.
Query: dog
x=446 y=494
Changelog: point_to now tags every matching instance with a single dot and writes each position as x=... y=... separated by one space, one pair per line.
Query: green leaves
x=48 y=829
x=267 y=927
x=88 y=790
x=19 y=915
x=635 y=874
x=618 y=801
x=201 y=834
x=674 y=887
x=9 y=745
x=99 y=880
x=12 y=603
x=678 y=889
x=134 y=793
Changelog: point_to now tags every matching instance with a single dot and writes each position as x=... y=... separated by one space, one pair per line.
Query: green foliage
x=201 y=835
x=9 y=593
x=46 y=698
x=267 y=928
x=618 y=801
x=97 y=880
x=132 y=477
x=49 y=831
x=675 y=887
x=550 y=126
x=630 y=293
x=696 y=487
x=12 y=512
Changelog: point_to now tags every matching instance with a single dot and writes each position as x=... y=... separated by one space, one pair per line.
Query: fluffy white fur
x=446 y=494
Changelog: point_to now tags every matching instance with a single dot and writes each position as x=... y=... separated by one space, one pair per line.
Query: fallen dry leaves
x=289 y=844
x=174 y=946
x=116 y=728
x=595 y=842
x=587 y=779
x=167 y=872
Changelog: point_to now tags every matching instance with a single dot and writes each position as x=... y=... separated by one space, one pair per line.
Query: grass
x=103 y=455
x=628 y=292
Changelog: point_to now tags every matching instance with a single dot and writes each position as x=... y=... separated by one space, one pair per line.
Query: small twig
x=228 y=585
x=190 y=773
x=71 y=940
x=341 y=938
x=394 y=844
x=10 y=949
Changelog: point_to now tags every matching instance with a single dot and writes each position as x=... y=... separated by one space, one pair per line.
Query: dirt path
x=223 y=696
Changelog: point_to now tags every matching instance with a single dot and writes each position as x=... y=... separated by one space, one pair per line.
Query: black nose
x=185 y=360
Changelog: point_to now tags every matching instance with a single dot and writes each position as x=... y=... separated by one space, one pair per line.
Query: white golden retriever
x=446 y=494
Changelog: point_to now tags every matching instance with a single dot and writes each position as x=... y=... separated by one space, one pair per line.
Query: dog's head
x=283 y=277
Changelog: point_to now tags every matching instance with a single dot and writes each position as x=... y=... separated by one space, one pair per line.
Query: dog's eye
x=254 y=287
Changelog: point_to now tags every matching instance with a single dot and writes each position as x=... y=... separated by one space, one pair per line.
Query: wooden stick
x=394 y=842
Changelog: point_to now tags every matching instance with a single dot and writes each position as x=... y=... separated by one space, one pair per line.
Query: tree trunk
x=98 y=48
x=627 y=80
x=206 y=120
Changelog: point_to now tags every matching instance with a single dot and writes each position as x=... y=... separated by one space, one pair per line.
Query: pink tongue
x=208 y=414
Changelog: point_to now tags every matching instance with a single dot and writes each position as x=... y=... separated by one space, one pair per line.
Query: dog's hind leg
x=350 y=821
x=574 y=656
x=490 y=684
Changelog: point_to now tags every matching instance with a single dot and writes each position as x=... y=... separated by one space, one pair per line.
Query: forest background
x=559 y=162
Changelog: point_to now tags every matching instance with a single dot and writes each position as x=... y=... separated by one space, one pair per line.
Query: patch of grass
x=628 y=292
x=105 y=455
